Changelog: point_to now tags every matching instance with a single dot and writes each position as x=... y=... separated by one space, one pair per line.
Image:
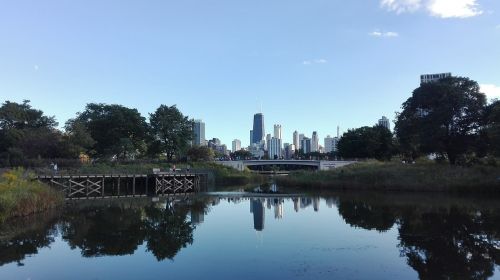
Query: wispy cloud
x=491 y=91
x=315 y=61
x=437 y=8
x=377 y=33
x=401 y=6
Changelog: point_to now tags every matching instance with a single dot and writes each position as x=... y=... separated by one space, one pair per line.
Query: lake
x=237 y=235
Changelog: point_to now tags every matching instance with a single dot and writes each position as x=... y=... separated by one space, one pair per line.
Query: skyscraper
x=199 y=133
x=268 y=141
x=258 y=128
x=257 y=208
x=331 y=144
x=236 y=145
x=251 y=137
x=296 y=140
x=384 y=122
x=314 y=142
x=277 y=131
x=274 y=148
x=305 y=145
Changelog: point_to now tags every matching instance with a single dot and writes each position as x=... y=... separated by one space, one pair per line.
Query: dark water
x=230 y=236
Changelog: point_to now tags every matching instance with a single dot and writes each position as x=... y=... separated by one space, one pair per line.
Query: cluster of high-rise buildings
x=272 y=145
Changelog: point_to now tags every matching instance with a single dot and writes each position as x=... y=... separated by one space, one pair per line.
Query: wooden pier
x=125 y=185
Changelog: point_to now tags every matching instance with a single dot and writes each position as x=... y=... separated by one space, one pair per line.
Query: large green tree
x=492 y=127
x=116 y=130
x=171 y=129
x=26 y=133
x=442 y=117
x=367 y=142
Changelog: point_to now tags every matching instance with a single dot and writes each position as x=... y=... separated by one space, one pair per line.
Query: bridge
x=315 y=164
x=97 y=186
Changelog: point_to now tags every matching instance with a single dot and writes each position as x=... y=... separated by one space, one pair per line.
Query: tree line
x=101 y=131
x=449 y=119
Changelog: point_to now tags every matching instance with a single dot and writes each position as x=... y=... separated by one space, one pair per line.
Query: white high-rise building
x=268 y=140
x=236 y=145
x=277 y=131
x=274 y=148
x=296 y=140
x=428 y=78
x=314 y=142
x=331 y=144
x=384 y=122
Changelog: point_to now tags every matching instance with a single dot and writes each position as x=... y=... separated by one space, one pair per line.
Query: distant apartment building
x=305 y=145
x=384 y=122
x=199 y=133
x=296 y=140
x=274 y=148
x=277 y=131
x=315 y=142
x=288 y=150
x=331 y=144
x=428 y=78
x=236 y=145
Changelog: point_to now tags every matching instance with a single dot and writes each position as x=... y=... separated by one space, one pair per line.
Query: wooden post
x=147 y=184
x=118 y=185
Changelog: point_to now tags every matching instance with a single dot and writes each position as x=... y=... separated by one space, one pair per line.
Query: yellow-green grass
x=21 y=195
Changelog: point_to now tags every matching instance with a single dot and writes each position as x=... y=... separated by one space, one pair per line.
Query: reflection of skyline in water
x=445 y=239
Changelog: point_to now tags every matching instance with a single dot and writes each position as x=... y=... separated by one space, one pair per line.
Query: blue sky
x=312 y=64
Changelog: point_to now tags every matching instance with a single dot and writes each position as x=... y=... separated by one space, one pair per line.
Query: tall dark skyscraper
x=258 y=128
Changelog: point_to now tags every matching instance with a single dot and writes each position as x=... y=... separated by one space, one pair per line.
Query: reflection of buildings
x=296 y=204
x=257 y=208
x=316 y=204
x=197 y=217
x=278 y=209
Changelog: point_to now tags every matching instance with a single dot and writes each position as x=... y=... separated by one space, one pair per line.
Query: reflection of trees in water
x=22 y=237
x=112 y=231
x=439 y=243
x=104 y=231
x=167 y=231
x=119 y=231
x=452 y=243
x=360 y=214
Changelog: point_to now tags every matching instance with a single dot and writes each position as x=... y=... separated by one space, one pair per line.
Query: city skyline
x=312 y=65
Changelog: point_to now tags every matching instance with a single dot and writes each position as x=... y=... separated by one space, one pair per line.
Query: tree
x=201 y=153
x=78 y=138
x=27 y=133
x=367 y=142
x=441 y=117
x=492 y=123
x=241 y=154
x=172 y=129
x=116 y=130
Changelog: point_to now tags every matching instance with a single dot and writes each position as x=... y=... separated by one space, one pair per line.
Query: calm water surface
x=240 y=236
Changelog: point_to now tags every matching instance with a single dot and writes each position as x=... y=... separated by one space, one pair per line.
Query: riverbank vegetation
x=20 y=195
x=396 y=176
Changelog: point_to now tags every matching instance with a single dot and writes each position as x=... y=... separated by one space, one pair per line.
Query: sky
x=310 y=65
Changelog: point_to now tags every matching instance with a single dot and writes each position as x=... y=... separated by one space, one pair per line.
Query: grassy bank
x=393 y=176
x=21 y=196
